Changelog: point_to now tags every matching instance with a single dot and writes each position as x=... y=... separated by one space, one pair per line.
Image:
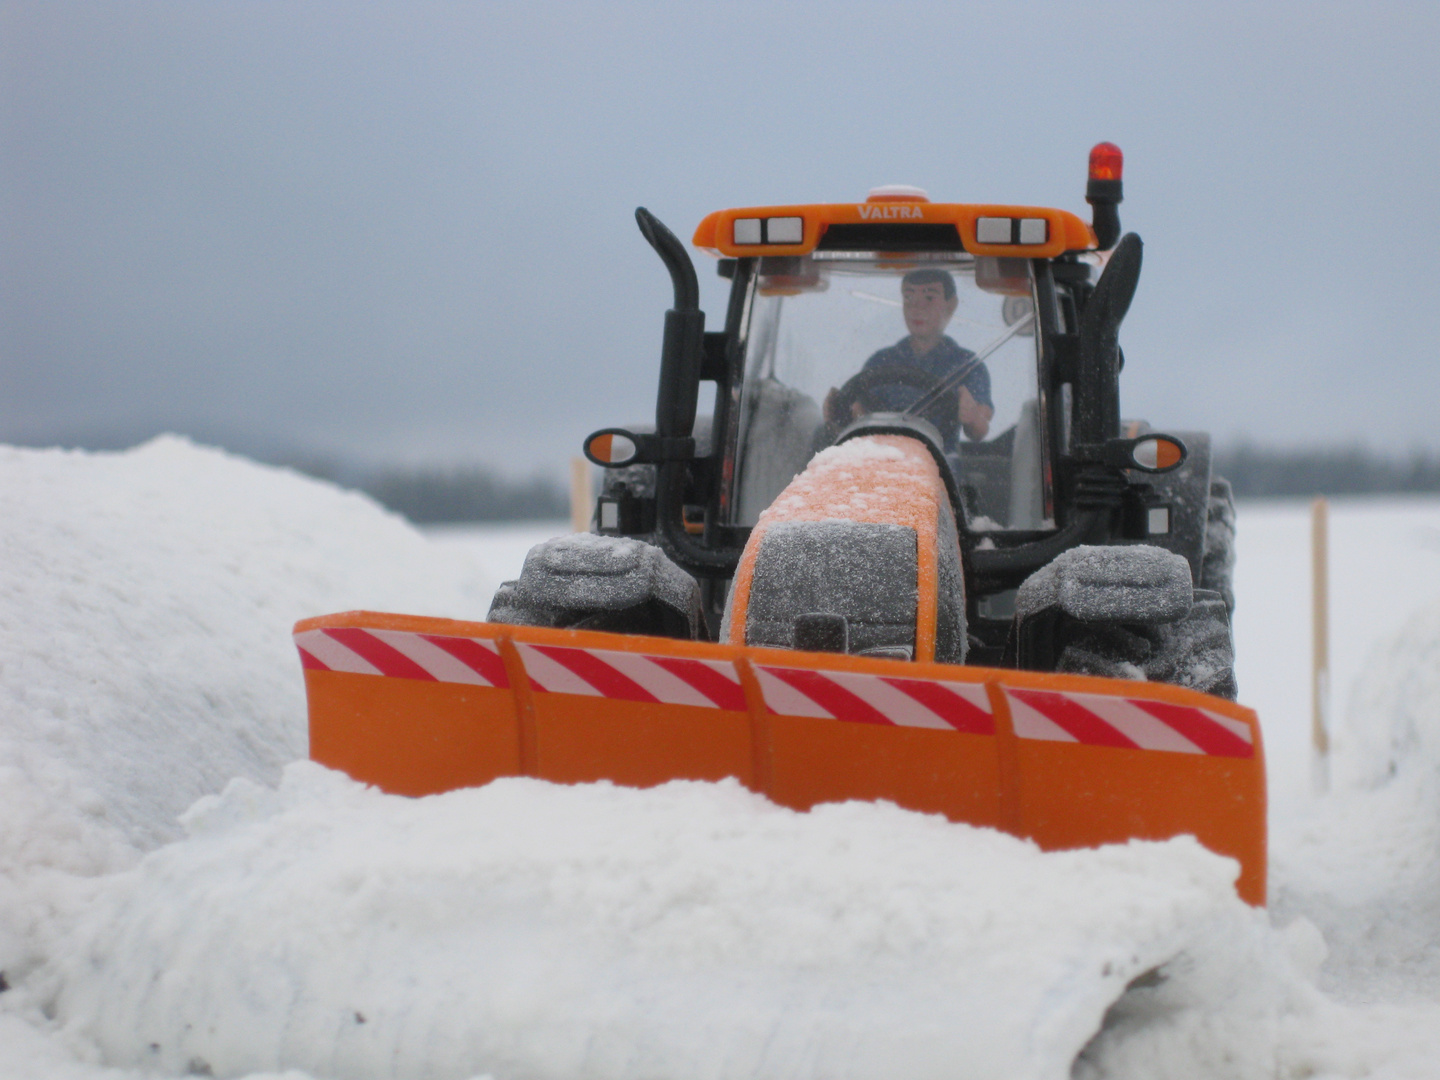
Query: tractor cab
x=948 y=338
x=988 y=332
x=887 y=562
x=826 y=327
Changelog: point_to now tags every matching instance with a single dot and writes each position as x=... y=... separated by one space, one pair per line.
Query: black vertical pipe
x=681 y=353
x=1097 y=383
x=682 y=347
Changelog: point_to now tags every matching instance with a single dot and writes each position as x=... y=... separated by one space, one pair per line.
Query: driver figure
x=929 y=302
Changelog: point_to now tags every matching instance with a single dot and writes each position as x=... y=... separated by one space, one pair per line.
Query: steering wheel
x=862 y=389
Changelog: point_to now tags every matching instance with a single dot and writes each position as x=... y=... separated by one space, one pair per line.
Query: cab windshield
x=951 y=340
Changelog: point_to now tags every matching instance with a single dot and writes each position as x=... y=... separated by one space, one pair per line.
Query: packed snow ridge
x=292 y=921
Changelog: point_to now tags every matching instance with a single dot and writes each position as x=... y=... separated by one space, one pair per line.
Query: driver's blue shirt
x=943 y=360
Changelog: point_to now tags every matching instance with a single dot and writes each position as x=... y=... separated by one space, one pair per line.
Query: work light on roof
x=774 y=230
x=1008 y=230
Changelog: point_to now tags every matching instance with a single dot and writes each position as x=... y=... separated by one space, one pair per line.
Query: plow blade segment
x=835 y=734
x=411 y=712
x=417 y=706
x=637 y=717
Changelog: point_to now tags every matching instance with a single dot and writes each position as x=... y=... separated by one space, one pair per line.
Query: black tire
x=1217 y=567
x=1197 y=652
x=1108 y=650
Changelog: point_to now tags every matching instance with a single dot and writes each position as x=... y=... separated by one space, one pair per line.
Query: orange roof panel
x=1028 y=232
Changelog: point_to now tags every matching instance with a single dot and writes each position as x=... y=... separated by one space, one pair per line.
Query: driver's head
x=929 y=302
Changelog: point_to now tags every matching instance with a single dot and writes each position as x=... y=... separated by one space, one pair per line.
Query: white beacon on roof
x=897 y=193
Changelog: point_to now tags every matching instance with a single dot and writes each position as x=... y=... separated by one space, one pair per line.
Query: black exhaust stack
x=1097 y=387
x=683 y=344
x=681 y=355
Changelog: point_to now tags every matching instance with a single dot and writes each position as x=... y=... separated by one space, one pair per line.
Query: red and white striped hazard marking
x=627 y=676
x=1047 y=715
x=402 y=654
x=1131 y=723
x=877 y=699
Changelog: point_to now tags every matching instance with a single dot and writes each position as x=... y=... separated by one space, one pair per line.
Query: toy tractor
x=1037 y=299
x=912 y=551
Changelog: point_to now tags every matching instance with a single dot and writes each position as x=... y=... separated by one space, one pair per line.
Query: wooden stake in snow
x=1320 y=638
x=580 y=496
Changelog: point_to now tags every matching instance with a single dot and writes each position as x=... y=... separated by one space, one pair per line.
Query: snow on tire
x=1197 y=652
x=1217 y=568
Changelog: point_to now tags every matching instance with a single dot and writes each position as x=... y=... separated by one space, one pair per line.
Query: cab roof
x=892 y=223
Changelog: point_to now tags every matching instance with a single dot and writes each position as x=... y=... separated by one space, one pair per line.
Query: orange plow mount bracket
x=418 y=706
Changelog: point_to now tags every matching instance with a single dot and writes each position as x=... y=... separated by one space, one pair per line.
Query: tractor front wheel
x=1195 y=652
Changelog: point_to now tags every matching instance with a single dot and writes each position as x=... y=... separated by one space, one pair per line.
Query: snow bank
x=1393 y=723
x=147 y=603
x=1363 y=863
x=593 y=931
x=526 y=929
x=145 y=655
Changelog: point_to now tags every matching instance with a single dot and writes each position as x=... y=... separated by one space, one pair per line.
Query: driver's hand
x=832 y=415
x=974 y=417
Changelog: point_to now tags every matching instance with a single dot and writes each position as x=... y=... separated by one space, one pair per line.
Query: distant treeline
x=436 y=495
x=426 y=494
x=1257 y=472
x=439 y=496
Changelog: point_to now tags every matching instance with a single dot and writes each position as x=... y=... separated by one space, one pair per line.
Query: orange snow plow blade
x=418 y=706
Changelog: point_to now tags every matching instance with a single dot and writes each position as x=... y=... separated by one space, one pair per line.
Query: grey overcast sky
x=403 y=231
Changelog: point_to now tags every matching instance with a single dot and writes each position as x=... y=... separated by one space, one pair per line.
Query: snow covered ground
x=175 y=897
